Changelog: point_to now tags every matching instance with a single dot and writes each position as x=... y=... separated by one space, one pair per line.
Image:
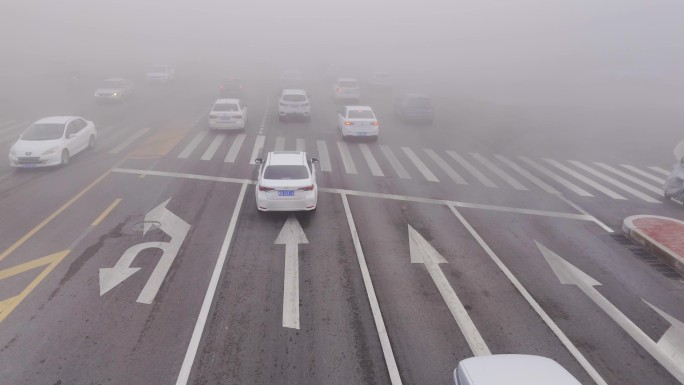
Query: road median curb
x=661 y=235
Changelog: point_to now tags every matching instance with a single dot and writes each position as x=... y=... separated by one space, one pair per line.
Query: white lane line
x=583 y=211
x=213 y=146
x=644 y=174
x=614 y=182
x=569 y=185
x=445 y=167
x=471 y=169
x=190 y=354
x=584 y=179
x=660 y=170
x=540 y=183
x=193 y=144
x=501 y=173
x=347 y=161
x=370 y=159
x=235 y=148
x=638 y=182
x=427 y=174
x=129 y=141
x=394 y=162
x=279 y=144
x=301 y=145
x=323 y=156
x=258 y=148
x=532 y=302
x=391 y=363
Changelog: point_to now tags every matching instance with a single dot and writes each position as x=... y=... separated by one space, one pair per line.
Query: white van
x=511 y=369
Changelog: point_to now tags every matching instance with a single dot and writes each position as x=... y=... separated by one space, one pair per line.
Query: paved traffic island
x=661 y=235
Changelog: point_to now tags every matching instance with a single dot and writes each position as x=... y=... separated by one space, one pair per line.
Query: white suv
x=294 y=103
x=286 y=182
x=160 y=74
x=346 y=88
x=228 y=114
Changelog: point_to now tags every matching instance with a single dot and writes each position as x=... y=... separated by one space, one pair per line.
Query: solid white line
x=301 y=145
x=540 y=183
x=258 y=147
x=578 y=208
x=213 y=146
x=445 y=167
x=291 y=287
x=638 y=182
x=129 y=141
x=427 y=174
x=323 y=156
x=279 y=144
x=394 y=162
x=501 y=173
x=532 y=302
x=181 y=175
x=370 y=159
x=349 y=166
x=193 y=144
x=569 y=185
x=190 y=354
x=614 y=182
x=584 y=179
x=235 y=148
x=644 y=174
x=471 y=169
x=660 y=170
x=391 y=363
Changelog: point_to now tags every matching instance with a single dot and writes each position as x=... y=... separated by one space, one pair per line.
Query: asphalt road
x=461 y=214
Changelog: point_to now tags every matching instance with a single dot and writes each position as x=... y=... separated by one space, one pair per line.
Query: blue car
x=414 y=108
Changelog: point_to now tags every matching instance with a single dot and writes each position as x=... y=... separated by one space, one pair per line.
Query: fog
x=616 y=53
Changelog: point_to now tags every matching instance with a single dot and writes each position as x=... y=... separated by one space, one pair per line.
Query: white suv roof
x=226 y=101
x=346 y=80
x=362 y=108
x=286 y=158
x=294 y=92
x=515 y=369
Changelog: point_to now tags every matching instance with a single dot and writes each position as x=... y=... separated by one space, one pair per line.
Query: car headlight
x=115 y=94
x=51 y=150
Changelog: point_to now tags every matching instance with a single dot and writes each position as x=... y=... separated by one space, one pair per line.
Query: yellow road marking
x=158 y=144
x=106 y=212
x=52 y=216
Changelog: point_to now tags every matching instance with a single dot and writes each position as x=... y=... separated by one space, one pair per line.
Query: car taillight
x=339 y=90
x=307 y=188
x=264 y=188
x=348 y=123
x=375 y=123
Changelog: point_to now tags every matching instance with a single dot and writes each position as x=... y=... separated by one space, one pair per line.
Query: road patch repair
x=661 y=235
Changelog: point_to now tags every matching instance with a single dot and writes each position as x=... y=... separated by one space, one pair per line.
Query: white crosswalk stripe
x=643 y=173
x=323 y=156
x=540 y=183
x=394 y=162
x=638 y=182
x=129 y=141
x=471 y=169
x=614 y=182
x=569 y=185
x=258 y=148
x=279 y=144
x=427 y=174
x=370 y=159
x=445 y=167
x=215 y=144
x=660 y=170
x=501 y=173
x=301 y=145
x=347 y=161
x=584 y=179
x=187 y=151
x=235 y=148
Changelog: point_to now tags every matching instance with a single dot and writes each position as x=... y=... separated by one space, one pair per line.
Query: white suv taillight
x=307 y=188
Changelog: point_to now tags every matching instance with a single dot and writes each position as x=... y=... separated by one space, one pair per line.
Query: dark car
x=231 y=88
x=414 y=108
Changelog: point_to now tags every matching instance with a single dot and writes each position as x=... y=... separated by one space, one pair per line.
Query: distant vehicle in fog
x=114 y=90
x=52 y=142
x=413 y=107
x=232 y=88
x=228 y=114
x=381 y=79
x=357 y=121
x=160 y=74
x=294 y=103
x=346 y=89
x=291 y=79
x=511 y=369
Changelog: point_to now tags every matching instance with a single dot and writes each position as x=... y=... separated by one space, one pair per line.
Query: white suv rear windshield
x=360 y=114
x=226 y=107
x=286 y=172
x=294 y=98
x=347 y=84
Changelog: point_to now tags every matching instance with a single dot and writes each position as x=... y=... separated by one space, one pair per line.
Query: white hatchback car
x=52 y=141
x=346 y=88
x=511 y=369
x=359 y=121
x=286 y=182
x=294 y=103
x=228 y=114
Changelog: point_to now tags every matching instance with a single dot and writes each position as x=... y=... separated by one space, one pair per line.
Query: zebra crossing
x=496 y=171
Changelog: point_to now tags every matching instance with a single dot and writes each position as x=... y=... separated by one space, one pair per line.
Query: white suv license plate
x=286 y=193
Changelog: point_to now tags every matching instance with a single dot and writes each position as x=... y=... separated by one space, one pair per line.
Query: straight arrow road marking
x=669 y=357
x=423 y=252
x=291 y=235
